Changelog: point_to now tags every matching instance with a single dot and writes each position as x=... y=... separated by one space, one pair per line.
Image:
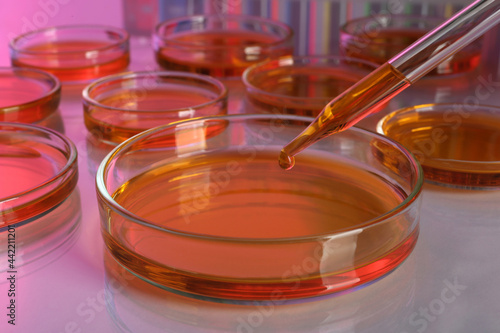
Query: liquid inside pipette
x=347 y=109
x=397 y=74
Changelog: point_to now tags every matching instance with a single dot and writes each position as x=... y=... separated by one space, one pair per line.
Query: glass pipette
x=396 y=75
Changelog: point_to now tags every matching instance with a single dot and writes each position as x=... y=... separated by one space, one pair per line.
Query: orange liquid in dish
x=220 y=54
x=227 y=196
x=65 y=59
x=381 y=45
x=458 y=148
x=117 y=126
x=24 y=166
x=301 y=91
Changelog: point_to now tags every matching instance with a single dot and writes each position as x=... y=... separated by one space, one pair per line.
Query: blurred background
x=315 y=22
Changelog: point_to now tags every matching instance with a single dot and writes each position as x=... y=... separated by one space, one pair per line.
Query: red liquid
x=218 y=53
x=75 y=61
x=26 y=99
x=25 y=166
x=258 y=200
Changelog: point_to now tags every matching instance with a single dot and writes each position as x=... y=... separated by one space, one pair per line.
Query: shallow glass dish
x=301 y=85
x=457 y=144
x=75 y=54
x=43 y=240
x=201 y=207
x=38 y=171
x=222 y=46
x=378 y=38
x=121 y=106
x=27 y=95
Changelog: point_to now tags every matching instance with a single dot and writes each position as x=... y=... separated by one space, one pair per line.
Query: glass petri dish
x=215 y=216
x=27 y=95
x=379 y=37
x=75 y=54
x=121 y=106
x=38 y=171
x=222 y=46
x=40 y=243
x=456 y=144
x=301 y=85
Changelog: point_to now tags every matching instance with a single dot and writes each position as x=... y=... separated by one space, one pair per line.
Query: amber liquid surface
x=321 y=196
x=381 y=45
x=218 y=53
x=65 y=59
x=300 y=91
x=175 y=101
x=344 y=111
x=458 y=147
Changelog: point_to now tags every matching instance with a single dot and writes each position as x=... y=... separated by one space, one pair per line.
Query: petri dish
x=27 y=95
x=75 y=54
x=457 y=144
x=213 y=215
x=222 y=46
x=301 y=85
x=121 y=106
x=378 y=38
x=43 y=242
x=38 y=171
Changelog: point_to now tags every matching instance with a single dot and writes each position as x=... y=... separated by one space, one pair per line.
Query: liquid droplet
x=286 y=161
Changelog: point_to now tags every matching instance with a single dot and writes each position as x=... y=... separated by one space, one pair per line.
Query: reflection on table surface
x=138 y=306
x=44 y=238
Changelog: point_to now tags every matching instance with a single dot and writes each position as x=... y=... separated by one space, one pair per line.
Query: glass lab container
x=201 y=207
x=121 y=106
x=75 y=54
x=27 y=95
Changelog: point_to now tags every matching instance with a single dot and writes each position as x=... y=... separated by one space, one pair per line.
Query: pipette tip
x=286 y=161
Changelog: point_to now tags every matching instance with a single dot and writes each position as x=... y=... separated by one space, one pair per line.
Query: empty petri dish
x=222 y=46
x=301 y=85
x=121 y=106
x=378 y=38
x=457 y=144
x=27 y=95
x=75 y=54
x=38 y=171
x=215 y=216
